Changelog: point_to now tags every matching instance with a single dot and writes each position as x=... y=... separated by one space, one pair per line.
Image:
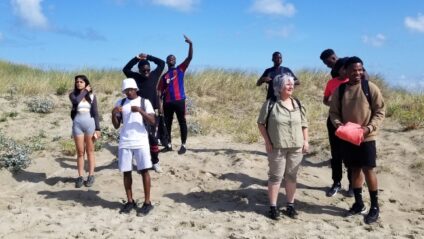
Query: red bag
x=351 y=132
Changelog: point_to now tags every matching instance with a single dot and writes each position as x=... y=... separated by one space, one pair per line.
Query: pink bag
x=351 y=132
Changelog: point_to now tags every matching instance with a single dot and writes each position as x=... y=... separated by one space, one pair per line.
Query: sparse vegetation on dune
x=220 y=101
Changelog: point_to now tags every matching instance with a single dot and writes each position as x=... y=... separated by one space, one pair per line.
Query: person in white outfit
x=134 y=112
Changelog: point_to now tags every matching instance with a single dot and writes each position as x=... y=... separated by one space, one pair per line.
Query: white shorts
x=141 y=156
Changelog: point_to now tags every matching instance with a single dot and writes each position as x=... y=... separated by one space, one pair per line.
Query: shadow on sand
x=88 y=198
x=247 y=199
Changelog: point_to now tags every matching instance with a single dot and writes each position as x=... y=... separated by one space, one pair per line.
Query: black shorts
x=362 y=156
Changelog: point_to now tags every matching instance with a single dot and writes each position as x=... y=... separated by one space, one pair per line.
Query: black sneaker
x=372 y=215
x=79 y=182
x=182 y=150
x=356 y=209
x=128 y=207
x=145 y=209
x=166 y=149
x=291 y=212
x=334 y=189
x=273 y=213
x=90 y=181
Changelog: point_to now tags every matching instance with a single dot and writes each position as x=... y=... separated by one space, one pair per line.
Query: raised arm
x=127 y=68
x=76 y=99
x=160 y=64
x=187 y=61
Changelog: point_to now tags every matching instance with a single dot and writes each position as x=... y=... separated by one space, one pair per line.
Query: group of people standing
x=282 y=122
x=148 y=97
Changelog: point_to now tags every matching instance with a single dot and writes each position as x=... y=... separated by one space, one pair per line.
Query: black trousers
x=154 y=144
x=179 y=108
x=336 y=155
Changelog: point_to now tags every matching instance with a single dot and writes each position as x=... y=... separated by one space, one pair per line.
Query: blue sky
x=233 y=34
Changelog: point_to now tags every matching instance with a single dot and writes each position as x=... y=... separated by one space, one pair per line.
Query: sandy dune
x=216 y=190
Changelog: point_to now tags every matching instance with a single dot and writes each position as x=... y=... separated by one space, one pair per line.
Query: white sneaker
x=157 y=168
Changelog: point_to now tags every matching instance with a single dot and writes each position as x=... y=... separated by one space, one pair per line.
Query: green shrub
x=13 y=156
x=98 y=145
x=68 y=147
x=408 y=109
x=40 y=105
x=12 y=114
x=35 y=143
x=194 y=128
x=109 y=134
x=62 y=89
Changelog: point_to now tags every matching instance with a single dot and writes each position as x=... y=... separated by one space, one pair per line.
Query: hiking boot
x=372 y=215
x=90 y=181
x=128 y=207
x=79 y=182
x=157 y=168
x=350 y=192
x=356 y=209
x=291 y=212
x=145 y=209
x=182 y=150
x=273 y=213
x=334 y=189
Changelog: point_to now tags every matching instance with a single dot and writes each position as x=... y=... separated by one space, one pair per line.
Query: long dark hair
x=78 y=91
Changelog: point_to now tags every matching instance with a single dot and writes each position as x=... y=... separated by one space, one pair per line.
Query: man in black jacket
x=146 y=82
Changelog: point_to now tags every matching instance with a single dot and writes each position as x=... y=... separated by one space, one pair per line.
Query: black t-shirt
x=272 y=73
x=146 y=86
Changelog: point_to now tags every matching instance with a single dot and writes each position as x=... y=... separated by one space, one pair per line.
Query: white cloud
x=376 y=41
x=283 y=32
x=31 y=13
x=86 y=34
x=273 y=7
x=415 y=24
x=180 y=5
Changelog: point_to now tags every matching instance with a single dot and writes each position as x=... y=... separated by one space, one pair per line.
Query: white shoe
x=157 y=168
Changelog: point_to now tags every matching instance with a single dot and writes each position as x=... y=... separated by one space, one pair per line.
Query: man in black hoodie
x=146 y=82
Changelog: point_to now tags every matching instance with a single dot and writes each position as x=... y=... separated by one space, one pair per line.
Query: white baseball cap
x=129 y=83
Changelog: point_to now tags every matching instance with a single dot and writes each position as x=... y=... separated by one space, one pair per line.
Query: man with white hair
x=134 y=112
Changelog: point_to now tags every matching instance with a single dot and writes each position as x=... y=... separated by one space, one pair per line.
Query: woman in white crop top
x=85 y=127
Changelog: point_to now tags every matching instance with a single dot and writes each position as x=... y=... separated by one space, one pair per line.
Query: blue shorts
x=83 y=124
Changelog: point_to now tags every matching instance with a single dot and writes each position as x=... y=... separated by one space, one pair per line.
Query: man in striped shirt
x=172 y=96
